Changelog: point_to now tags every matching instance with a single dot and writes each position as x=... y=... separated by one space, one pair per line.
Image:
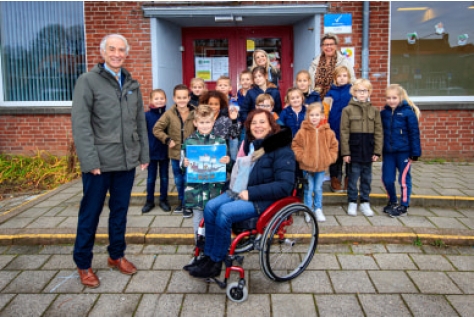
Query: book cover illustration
x=204 y=165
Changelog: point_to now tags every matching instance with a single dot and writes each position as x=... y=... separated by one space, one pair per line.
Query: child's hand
x=244 y=195
x=171 y=144
x=224 y=159
x=375 y=158
x=185 y=162
x=346 y=159
x=233 y=113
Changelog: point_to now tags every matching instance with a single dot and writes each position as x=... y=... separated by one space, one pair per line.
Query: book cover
x=204 y=165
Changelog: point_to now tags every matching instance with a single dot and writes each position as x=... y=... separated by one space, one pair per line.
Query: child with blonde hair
x=315 y=147
x=198 y=87
x=293 y=115
x=401 y=147
x=361 y=144
x=303 y=82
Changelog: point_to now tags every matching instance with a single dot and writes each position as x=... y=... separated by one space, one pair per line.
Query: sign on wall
x=338 y=23
x=349 y=53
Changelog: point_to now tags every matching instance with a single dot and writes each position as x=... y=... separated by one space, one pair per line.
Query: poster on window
x=204 y=165
x=220 y=67
x=203 y=68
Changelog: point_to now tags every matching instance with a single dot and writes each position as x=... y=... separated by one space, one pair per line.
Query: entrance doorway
x=212 y=52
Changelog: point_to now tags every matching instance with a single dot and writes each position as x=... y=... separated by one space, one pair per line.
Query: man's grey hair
x=121 y=37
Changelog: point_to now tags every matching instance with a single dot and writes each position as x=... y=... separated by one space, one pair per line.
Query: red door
x=212 y=52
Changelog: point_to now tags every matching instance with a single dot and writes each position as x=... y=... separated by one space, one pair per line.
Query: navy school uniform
x=252 y=94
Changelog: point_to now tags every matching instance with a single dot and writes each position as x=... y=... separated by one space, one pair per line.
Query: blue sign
x=338 y=23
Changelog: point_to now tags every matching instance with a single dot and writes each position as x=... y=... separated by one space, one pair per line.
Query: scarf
x=323 y=76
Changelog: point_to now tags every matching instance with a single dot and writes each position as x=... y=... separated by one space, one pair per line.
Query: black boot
x=196 y=262
x=209 y=269
x=390 y=208
x=148 y=206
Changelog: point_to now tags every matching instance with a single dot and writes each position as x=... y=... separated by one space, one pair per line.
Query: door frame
x=237 y=50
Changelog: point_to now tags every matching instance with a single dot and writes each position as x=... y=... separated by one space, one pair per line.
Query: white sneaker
x=320 y=216
x=307 y=218
x=366 y=210
x=352 y=209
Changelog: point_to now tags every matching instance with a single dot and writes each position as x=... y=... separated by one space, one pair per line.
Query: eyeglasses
x=329 y=44
x=265 y=106
x=362 y=91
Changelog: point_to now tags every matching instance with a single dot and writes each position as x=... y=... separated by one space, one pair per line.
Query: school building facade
x=427 y=47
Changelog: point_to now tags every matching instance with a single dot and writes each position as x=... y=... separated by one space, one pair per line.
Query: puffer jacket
x=311 y=97
x=341 y=96
x=400 y=130
x=108 y=124
x=251 y=97
x=315 y=148
x=273 y=175
x=171 y=127
x=361 y=132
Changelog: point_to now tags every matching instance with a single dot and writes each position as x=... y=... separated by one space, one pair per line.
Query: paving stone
x=171 y=262
x=360 y=220
x=257 y=306
x=440 y=250
x=181 y=282
x=159 y=305
x=465 y=250
x=99 y=249
x=167 y=221
x=70 y=211
x=54 y=211
x=333 y=249
x=351 y=282
x=468 y=212
x=392 y=282
x=396 y=248
x=16 y=223
x=447 y=222
x=306 y=307
x=46 y=222
x=149 y=282
x=69 y=222
x=469 y=222
x=71 y=305
x=160 y=249
x=384 y=306
x=4 y=260
x=357 y=262
x=6 y=277
x=60 y=262
x=464 y=280
x=30 y=281
x=111 y=281
x=416 y=222
x=260 y=284
x=462 y=263
x=27 y=262
x=5 y=298
x=385 y=221
x=432 y=262
x=431 y=282
x=463 y=305
x=445 y=212
x=419 y=212
x=115 y=305
x=203 y=305
x=3 y=249
x=394 y=261
x=185 y=249
x=324 y=262
x=66 y=281
x=369 y=249
x=28 y=305
x=429 y=306
x=100 y=262
x=312 y=282
x=57 y=250
x=139 y=221
x=133 y=249
x=338 y=306
x=331 y=221
x=33 y=212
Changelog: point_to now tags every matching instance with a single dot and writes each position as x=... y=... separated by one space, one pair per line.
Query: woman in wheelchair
x=267 y=176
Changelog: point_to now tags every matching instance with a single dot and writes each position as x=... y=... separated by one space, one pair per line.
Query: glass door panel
x=273 y=48
x=211 y=59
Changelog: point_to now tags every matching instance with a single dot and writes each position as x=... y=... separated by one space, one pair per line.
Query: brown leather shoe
x=123 y=265
x=335 y=185
x=88 y=278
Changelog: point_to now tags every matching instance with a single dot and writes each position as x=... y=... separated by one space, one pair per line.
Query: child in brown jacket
x=315 y=147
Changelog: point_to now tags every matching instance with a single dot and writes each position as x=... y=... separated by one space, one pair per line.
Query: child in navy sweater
x=293 y=115
x=158 y=154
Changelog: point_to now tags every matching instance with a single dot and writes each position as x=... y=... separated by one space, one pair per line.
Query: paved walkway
x=377 y=280
x=442 y=210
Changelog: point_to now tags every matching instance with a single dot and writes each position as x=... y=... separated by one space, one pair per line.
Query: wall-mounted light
x=413 y=9
x=224 y=18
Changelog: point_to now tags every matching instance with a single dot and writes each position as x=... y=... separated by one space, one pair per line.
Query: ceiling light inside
x=413 y=9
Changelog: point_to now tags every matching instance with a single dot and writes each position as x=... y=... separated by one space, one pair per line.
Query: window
x=432 y=48
x=42 y=51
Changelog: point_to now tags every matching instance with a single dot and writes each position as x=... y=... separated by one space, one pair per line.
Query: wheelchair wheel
x=288 y=243
x=237 y=291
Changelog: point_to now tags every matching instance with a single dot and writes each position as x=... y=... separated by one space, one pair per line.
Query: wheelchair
x=285 y=241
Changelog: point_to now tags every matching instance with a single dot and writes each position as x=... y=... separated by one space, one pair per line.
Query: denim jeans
x=219 y=215
x=315 y=185
x=179 y=178
x=391 y=163
x=95 y=187
x=233 y=148
x=335 y=170
x=151 y=180
x=364 y=172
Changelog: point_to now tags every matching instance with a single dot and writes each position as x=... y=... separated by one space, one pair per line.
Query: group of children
x=344 y=128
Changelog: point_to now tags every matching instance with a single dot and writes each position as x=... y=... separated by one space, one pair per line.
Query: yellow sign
x=250 y=45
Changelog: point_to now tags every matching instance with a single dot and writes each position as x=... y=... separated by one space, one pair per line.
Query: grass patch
x=31 y=174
